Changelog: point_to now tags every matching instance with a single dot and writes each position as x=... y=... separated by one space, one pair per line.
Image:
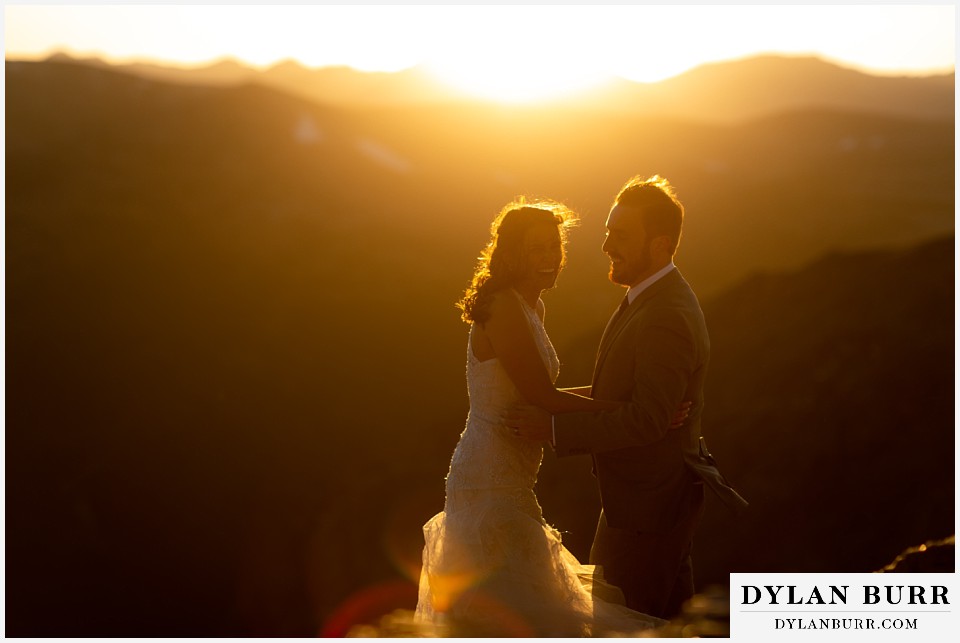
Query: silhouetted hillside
x=235 y=373
x=831 y=399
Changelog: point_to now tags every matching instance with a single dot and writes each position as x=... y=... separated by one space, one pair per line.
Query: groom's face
x=627 y=246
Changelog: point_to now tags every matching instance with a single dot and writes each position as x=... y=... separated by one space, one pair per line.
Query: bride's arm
x=514 y=345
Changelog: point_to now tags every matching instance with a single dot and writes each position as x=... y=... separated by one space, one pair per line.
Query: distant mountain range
x=781 y=189
x=731 y=91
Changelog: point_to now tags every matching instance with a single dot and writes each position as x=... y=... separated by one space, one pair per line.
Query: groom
x=653 y=356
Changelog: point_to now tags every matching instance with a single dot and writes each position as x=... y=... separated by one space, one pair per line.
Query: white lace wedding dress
x=491 y=565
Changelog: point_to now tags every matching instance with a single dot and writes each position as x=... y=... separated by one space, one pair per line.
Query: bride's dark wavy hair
x=502 y=261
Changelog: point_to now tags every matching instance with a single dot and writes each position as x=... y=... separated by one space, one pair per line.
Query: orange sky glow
x=507 y=52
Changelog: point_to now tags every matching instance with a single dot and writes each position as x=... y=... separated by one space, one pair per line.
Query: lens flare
x=492 y=618
x=446 y=589
x=368 y=606
x=402 y=536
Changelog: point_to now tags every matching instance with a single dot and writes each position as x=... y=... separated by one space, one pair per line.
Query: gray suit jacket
x=652 y=357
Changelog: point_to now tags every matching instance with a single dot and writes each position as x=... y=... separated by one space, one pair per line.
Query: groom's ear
x=662 y=245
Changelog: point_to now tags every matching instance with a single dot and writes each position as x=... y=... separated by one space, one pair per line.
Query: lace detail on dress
x=490 y=557
x=489 y=455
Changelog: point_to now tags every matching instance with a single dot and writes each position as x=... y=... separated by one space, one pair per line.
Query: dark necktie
x=624 y=304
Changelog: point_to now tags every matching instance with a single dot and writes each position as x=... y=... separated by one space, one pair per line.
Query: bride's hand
x=530 y=423
x=681 y=415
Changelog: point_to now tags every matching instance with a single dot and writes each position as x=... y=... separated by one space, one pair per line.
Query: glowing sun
x=518 y=81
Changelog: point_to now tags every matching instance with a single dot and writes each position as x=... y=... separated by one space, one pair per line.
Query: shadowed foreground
x=706 y=615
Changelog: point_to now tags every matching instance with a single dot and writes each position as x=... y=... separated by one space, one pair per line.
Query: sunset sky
x=510 y=52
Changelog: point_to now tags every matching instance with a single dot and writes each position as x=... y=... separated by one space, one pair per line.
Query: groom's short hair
x=660 y=209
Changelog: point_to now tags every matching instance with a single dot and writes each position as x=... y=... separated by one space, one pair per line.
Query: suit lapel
x=614 y=319
x=616 y=326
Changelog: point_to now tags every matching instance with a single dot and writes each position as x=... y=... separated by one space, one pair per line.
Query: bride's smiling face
x=543 y=256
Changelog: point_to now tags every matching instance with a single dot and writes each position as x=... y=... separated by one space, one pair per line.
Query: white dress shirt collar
x=635 y=291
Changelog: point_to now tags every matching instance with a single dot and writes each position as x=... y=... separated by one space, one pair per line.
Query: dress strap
x=523 y=302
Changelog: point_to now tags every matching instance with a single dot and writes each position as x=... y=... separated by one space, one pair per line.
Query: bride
x=492 y=566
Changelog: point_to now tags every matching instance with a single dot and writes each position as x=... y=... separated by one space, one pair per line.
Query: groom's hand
x=681 y=415
x=530 y=423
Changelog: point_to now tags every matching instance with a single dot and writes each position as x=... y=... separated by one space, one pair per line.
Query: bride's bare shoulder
x=504 y=301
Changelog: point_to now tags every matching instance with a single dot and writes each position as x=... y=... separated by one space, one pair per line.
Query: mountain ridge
x=725 y=91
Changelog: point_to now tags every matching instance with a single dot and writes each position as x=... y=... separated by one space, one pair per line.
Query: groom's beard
x=628 y=273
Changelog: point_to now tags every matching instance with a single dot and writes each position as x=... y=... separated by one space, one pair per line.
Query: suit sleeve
x=664 y=357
